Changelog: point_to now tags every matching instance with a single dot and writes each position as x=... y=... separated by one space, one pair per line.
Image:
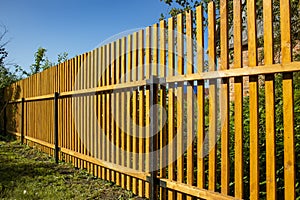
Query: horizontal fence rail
x=182 y=109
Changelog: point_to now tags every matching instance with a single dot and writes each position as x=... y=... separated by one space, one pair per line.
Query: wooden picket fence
x=94 y=110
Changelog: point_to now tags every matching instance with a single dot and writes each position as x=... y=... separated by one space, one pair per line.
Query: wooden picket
x=105 y=98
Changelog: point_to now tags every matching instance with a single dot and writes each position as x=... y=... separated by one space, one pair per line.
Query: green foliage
x=39 y=57
x=62 y=57
x=42 y=62
x=6 y=76
x=179 y=6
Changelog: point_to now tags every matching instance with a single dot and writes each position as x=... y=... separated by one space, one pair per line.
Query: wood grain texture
x=270 y=103
x=162 y=127
x=141 y=75
x=224 y=100
x=253 y=101
x=238 y=99
x=200 y=99
x=190 y=100
x=148 y=71
x=171 y=113
x=288 y=102
x=179 y=101
x=134 y=112
x=212 y=99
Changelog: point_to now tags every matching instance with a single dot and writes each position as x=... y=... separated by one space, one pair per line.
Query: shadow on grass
x=26 y=173
x=15 y=168
x=7 y=137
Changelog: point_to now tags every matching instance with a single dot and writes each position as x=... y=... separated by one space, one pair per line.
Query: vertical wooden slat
x=113 y=109
x=224 y=99
x=69 y=131
x=74 y=101
x=141 y=110
x=108 y=110
x=93 y=111
x=200 y=98
x=88 y=110
x=84 y=81
x=134 y=112
x=154 y=49
x=118 y=72
x=269 y=95
x=68 y=108
x=79 y=124
x=171 y=125
x=128 y=111
x=288 y=102
x=82 y=101
x=162 y=127
x=238 y=99
x=212 y=99
x=180 y=70
x=72 y=139
x=64 y=111
x=123 y=110
x=66 y=71
x=60 y=132
x=95 y=108
x=100 y=111
x=253 y=101
x=103 y=105
x=190 y=102
x=79 y=99
x=148 y=71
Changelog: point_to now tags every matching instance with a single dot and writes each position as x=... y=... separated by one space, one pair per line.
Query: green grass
x=26 y=173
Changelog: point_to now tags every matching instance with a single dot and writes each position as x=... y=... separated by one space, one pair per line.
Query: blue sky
x=73 y=26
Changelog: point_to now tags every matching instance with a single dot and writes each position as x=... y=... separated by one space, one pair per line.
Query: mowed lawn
x=26 y=173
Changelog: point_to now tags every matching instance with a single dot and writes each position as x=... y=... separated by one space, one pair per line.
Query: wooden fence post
x=22 y=120
x=56 y=95
x=153 y=83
